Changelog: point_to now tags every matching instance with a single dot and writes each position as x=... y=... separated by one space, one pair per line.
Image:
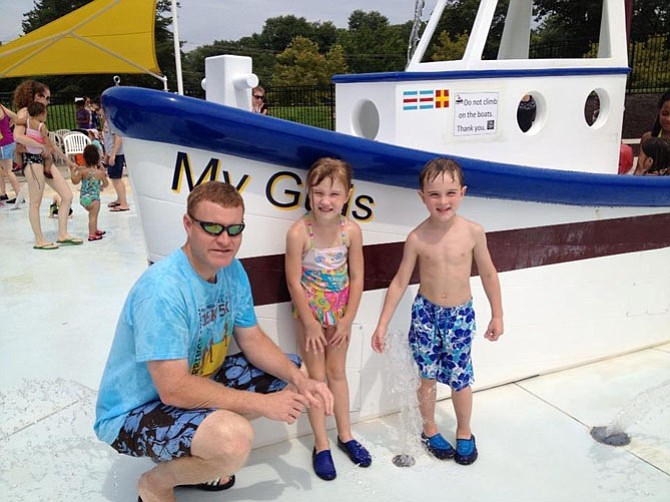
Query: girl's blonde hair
x=327 y=167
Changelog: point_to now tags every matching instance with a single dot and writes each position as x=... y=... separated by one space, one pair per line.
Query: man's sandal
x=214 y=485
x=211 y=486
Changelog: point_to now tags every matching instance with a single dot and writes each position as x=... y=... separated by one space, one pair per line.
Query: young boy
x=443 y=320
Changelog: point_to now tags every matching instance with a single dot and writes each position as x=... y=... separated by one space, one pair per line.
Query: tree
x=456 y=21
x=276 y=36
x=372 y=45
x=301 y=64
x=574 y=21
x=650 y=18
x=448 y=49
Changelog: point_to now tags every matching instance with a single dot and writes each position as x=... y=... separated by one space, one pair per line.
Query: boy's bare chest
x=445 y=252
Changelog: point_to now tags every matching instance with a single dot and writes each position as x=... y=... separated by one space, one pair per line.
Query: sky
x=200 y=22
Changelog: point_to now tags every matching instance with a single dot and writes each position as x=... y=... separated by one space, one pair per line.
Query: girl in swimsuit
x=324 y=273
x=93 y=179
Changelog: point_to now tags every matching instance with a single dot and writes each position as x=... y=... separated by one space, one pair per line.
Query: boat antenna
x=417 y=23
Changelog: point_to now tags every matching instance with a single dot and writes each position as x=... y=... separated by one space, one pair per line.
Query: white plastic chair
x=74 y=143
x=56 y=139
x=63 y=132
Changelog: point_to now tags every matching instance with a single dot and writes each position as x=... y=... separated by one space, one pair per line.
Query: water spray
x=403 y=384
x=638 y=409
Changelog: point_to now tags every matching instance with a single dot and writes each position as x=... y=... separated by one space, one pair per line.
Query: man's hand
x=283 y=406
x=317 y=394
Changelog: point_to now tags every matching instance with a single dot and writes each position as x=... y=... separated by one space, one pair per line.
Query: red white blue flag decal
x=425 y=99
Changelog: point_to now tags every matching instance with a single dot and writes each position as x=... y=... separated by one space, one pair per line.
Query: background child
x=94 y=136
x=113 y=147
x=661 y=127
x=93 y=179
x=324 y=272
x=654 y=157
x=443 y=320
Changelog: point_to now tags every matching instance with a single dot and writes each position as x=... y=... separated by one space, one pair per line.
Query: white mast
x=177 y=51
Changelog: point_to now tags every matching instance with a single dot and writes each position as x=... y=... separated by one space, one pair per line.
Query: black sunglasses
x=216 y=229
x=259 y=97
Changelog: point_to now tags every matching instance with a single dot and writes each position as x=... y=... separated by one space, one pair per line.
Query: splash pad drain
x=610 y=436
x=403 y=460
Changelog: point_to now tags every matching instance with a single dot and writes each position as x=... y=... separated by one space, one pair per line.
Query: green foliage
x=301 y=64
x=650 y=17
x=577 y=21
x=565 y=28
x=650 y=64
x=457 y=20
x=448 y=49
x=317 y=115
x=371 y=44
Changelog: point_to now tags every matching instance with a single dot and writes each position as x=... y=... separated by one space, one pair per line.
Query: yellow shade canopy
x=104 y=36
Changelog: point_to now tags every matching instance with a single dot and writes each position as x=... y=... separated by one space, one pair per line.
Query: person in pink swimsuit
x=324 y=273
x=7 y=148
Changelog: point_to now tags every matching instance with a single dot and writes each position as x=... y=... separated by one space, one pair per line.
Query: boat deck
x=59 y=311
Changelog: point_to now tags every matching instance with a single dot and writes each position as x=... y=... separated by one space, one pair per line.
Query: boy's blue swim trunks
x=441 y=340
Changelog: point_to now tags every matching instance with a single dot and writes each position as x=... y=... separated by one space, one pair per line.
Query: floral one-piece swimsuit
x=325 y=277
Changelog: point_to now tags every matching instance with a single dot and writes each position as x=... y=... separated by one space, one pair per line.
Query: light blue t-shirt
x=170 y=313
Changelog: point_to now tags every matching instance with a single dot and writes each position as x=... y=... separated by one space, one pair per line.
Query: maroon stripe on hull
x=510 y=249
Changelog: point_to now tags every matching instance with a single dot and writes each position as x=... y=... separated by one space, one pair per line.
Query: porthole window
x=365 y=120
x=596 y=108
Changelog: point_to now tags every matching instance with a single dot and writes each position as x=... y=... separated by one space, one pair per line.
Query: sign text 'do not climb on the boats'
x=475 y=113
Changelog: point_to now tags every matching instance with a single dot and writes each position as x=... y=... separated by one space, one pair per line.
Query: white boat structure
x=583 y=254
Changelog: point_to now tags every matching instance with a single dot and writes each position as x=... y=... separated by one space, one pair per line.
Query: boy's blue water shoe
x=438 y=446
x=466 y=451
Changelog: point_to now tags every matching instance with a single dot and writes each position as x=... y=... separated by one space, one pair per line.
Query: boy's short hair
x=91 y=155
x=440 y=166
x=36 y=108
x=218 y=192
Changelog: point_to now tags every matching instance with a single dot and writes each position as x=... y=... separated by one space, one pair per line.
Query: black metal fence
x=315 y=105
x=61 y=112
x=311 y=105
x=649 y=61
x=650 y=65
